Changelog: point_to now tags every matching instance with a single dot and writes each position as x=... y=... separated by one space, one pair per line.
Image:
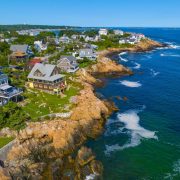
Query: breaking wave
x=121 y=58
x=138 y=66
x=154 y=73
x=173 y=45
x=131 y=84
x=131 y=121
x=170 y=55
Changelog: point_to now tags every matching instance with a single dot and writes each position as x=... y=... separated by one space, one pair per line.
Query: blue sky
x=120 y=13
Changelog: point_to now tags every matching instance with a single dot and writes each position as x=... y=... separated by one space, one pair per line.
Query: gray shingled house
x=68 y=64
x=87 y=53
x=46 y=77
x=20 y=52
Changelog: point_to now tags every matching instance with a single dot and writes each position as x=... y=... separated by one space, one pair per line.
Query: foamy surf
x=169 y=55
x=130 y=119
x=91 y=177
x=137 y=66
x=131 y=84
x=121 y=58
x=176 y=171
x=154 y=73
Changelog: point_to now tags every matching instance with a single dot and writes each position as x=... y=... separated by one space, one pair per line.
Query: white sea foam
x=123 y=53
x=176 y=171
x=121 y=58
x=174 y=46
x=154 y=73
x=170 y=55
x=91 y=177
x=138 y=66
x=131 y=84
x=137 y=133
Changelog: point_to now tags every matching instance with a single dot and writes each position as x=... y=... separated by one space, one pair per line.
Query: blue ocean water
x=142 y=140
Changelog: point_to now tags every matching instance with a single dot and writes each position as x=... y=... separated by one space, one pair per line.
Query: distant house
x=32 y=63
x=103 y=32
x=64 y=39
x=87 y=53
x=132 y=39
x=34 y=33
x=40 y=46
x=20 y=52
x=7 y=92
x=68 y=64
x=74 y=37
x=47 y=78
x=90 y=46
x=118 y=32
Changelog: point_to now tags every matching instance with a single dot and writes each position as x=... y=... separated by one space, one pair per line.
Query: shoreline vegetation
x=54 y=149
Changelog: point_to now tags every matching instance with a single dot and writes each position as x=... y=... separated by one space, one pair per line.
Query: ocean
x=142 y=139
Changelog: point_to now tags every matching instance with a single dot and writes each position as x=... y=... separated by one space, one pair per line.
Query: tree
x=12 y=116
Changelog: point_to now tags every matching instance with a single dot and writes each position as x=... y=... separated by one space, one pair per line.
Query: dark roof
x=19 y=48
x=70 y=58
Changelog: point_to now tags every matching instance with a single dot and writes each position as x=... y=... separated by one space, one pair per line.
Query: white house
x=103 y=32
x=87 y=53
x=40 y=46
x=118 y=32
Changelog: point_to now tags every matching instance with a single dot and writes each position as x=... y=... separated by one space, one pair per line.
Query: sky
x=107 y=13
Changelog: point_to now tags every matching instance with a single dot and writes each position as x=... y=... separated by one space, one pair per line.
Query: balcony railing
x=12 y=93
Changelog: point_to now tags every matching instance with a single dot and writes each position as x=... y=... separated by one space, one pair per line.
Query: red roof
x=34 y=61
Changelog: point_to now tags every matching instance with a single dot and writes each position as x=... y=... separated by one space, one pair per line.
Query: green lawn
x=5 y=140
x=41 y=104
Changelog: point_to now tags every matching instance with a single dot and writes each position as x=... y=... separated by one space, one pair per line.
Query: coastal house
x=68 y=64
x=47 y=78
x=87 y=53
x=20 y=52
x=64 y=39
x=32 y=63
x=40 y=46
x=132 y=39
x=118 y=32
x=103 y=32
x=7 y=92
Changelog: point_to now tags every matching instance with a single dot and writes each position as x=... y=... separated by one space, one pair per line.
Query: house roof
x=34 y=61
x=86 y=52
x=46 y=70
x=70 y=58
x=5 y=87
x=19 y=48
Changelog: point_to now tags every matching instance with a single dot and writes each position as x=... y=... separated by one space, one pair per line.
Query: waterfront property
x=87 y=53
x=32 y=63
x=118 y=32
x=132 y=39
x=20 y=52
x=7 y=92
x=103 y=32
x=46 y=77
x=68 y=64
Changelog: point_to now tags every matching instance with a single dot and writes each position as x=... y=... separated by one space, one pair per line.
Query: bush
x=12 y=116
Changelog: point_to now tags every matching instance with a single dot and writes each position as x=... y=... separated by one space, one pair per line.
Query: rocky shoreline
x=53 y=149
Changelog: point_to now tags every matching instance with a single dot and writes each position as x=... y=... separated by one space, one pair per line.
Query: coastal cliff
x=52 y=149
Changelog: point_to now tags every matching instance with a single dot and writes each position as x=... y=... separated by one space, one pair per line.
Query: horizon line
x=90 y=26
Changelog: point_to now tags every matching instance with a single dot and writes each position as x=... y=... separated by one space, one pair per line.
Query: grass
x=86 y=63
x=41 y=103
x=5 y=140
